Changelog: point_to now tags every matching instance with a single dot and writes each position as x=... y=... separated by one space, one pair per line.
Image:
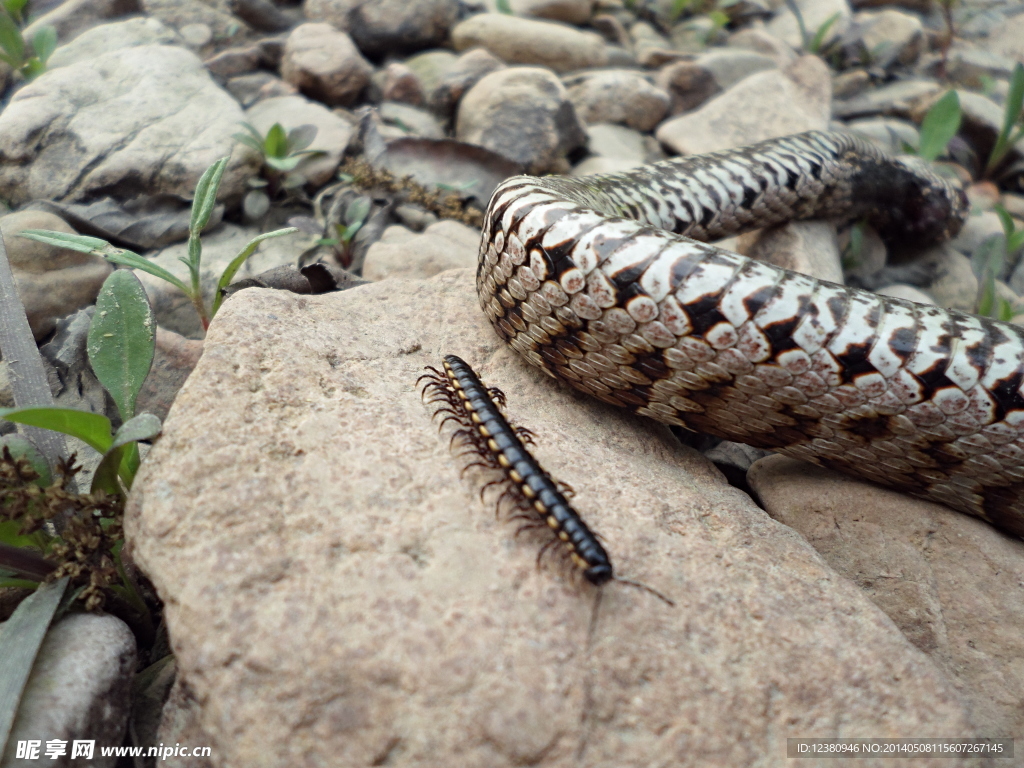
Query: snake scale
x=605 y=283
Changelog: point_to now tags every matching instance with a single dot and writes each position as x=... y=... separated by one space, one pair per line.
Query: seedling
x=13 y=50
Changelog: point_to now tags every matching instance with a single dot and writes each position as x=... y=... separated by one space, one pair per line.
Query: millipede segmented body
x=601 y=282
x=500 y=446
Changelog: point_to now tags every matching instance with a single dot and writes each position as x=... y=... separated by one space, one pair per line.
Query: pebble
x=403 y=253
x=108 y=37
x=388 y=27
x=324 y=64
x=617 y=96
x=530 y=41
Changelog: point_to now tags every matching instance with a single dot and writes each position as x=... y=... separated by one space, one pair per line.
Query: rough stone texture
x=52 y=282
x=1008 y=38
x=951 y=281
x=382 y=27
x=729 y=66
x=762 y=106
x=179 y=724
x=200 y=23
x=759 y=41
x=529 y=41
x=411 y=120
x=109 y=37
x=170 y=306
x=173 y=361
x=122 y=124
x=307 y=529
x=466 y=72
x=402 y=253
x=688 y=84
x=953 y=584
x=402 y=84
x=324 y=64
x=898 y=99
x=815 y=13
x=569 y=11
x=978 y=228
x=889 y=36
x=73 y=17
x=522 y=113
x=80 y=688
x=332 y=135
x=810 y=247
x=617 y=96
x=607 y=140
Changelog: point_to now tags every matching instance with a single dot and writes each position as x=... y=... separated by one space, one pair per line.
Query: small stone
x=969 y=66
x=388 y=27
x=431 y=68
x=983 y=196
x=762 y=106
x=688 y=84
x=898 y=99
x=324 y=64
x=611 y=29
x=248 y=89
x=616 y=141
x=951 y=281
x=196 y=35
x=444 y=245
x=401 y=84
x=332 y=135
x=808 y=247
x=530 y=41
x=617 y=96
x=907 y=292
x=759 y=41
x=467 y=71
x=888 y=37
x=978 y=228
x=1014 y=204
x=569 y=11
x=411 y=120
x=815 y=13
x=850 y=84
x=173 y=361
x=1007 y=39
x=235 y=61
x=729 y=66
x=522 y=113
x=52 y=282
x=80 y=688
x=597 y=164
x=887 y=134
x=870 y=256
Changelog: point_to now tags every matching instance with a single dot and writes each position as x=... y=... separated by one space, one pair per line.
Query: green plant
x=281 y=152
x=1014 y=237
x=504 y=7
x=202 y=208
x=355 y=216
x=719 y=20
x=811 y=44
x=1013 y=128
x=12 y=45
x=939 y=126
x=988 y=262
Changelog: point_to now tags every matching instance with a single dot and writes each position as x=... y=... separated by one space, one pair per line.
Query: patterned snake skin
x=585 y=279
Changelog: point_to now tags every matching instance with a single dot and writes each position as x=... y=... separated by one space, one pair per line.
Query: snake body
x=603 y=282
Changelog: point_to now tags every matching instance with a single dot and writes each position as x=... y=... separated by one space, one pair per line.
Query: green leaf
x=276 y=143
x=73 y=242
x=205 y=197
x=18 y=584
x=819 y=36
x=122 y=339
x=504 y=7
x=23 y=448
x=249 y=141
x=300 y=137
x=15 y=8
x=1011 y=114
x=145 y=426
x=11 y=40
x=284 y=164
x=939 y=126
x=239 y=260
x=133 y=260
x=804 y=34
x=45 y=43
x=92 y=429
x=20 y=639
x=11 y=535
x=357 y=211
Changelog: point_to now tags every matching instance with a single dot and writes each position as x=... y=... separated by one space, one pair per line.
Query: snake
x=609 y=284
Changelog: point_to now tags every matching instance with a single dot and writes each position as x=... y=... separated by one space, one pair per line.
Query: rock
x=324 y=64
x=431 y=68
x=652 y=49
x=522 y=113
x=401 y=253
x=762 y=106
x=688 y=84
x=179 y=724
x=1014 y=204
x=1007 y=39
x=402 y=84
x=122 y=124
x=897 y=99
x=236 y=61
x=470 y=68
x=616 y=141
x=951 y=280
x=810 y=247
x=173 y=310
x=529 y=41
x=73 y=17
x=80 y=688
x=969 y=66
x=865 y=258
x=332 y=134
x=411 y=120
x=173 y=361
x=887 y=134
x=908 y=292
x=617 y=96
x=887 y=37
x=109 y=37
x=816 y=13
x=977 y=229
x=759 y=41
x=598 y=164
x=569 y=11
x=248 y=89
x=388 y=27
x=73 y=383
x=952 y=584
x=200 y=24
x=263 y=15
x=380 y=573
x=728 y=67
x=850 y=84
x=52 y=282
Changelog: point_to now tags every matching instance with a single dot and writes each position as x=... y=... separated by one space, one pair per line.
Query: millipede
x=500 y=446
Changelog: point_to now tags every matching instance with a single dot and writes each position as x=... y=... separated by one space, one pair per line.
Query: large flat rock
x=337 y=595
